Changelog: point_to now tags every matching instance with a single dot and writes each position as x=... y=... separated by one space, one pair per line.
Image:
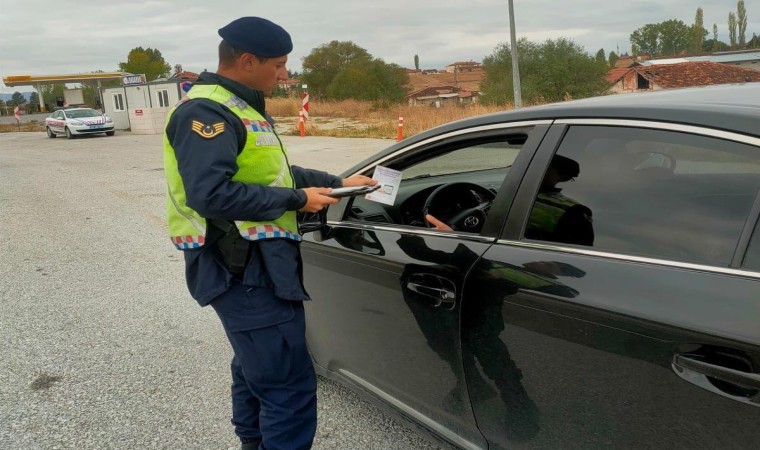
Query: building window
x=163 y=98
x=118 y=102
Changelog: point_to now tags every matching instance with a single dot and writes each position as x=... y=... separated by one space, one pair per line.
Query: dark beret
x=258 y=36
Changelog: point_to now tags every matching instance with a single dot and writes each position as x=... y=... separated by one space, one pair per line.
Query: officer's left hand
x=358 y=180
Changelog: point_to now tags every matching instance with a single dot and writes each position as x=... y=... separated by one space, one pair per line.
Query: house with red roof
x=654 y=77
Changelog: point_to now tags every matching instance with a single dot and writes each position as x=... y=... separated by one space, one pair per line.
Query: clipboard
x=352 y=191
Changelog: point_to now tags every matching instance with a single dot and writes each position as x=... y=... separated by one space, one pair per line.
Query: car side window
x=752 y=258
x=654 y=193
x=472 y=172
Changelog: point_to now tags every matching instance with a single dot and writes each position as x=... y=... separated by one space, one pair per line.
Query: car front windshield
x=81 y=113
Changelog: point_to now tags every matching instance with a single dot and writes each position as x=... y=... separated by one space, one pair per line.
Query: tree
x=416 y=63
x=665 y=38
x=675 y=37
x=715 y=35
x=34 y=101
x=601 y=57
x=178 y=69
x=50 y=92
x=754 y=42
x=17 y=99
x=741 y=16
x=325 y=62
x=549 y=72
x=732 y=29
x=698 y=31
x=280 y=92
x=612 y=59
x=374 y=80
x=146 y=61
x=646 y=39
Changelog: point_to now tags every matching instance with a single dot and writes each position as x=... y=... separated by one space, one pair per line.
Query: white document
x=389 y=181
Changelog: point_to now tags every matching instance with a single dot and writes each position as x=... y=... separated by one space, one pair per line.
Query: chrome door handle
x=440 y=289
x=698 y=372
x=438 y=293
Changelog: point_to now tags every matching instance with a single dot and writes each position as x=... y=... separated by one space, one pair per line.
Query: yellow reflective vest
x=262 y=161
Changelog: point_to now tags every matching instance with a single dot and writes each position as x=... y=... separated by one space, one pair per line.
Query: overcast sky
x=43 y=37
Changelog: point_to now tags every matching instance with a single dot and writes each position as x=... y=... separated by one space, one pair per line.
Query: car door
x=387 y=289
x=617 y=309
x=58 y=124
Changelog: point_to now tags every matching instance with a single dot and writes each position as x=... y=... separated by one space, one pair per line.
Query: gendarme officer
x=231 y=207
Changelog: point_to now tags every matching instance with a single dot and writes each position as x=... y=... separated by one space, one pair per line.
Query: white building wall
x=137 y=96
x=120 y=118
x=148 y=120
x=151 y=119
x=172 y=89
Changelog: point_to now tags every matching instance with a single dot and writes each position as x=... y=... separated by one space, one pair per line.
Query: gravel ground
x=103 y=348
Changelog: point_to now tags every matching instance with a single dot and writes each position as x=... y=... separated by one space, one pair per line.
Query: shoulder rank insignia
x=208 y=131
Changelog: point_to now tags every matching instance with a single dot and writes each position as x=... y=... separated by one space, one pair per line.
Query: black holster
x=233 y=248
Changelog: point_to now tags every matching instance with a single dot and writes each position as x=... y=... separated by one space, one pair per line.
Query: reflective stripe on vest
x=262 y=161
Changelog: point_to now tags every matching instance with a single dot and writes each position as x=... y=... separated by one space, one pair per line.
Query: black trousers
x=274 y=388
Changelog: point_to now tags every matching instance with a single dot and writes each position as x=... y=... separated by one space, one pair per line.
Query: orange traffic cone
x=301 y=124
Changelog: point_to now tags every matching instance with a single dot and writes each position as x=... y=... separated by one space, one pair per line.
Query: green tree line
x=674 y=37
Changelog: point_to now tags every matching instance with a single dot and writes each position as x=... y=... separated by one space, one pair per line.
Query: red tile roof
x=186 y=76
x=686 y=74
x=616 y=73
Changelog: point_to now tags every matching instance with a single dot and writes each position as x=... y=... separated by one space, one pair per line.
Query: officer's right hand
x=315 y=200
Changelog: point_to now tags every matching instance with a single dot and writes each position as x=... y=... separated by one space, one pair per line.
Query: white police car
x=77 y=121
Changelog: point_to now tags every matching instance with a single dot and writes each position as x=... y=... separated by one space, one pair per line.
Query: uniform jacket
x=206 y=167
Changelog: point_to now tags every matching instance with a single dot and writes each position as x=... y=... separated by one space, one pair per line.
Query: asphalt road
x=103 y=348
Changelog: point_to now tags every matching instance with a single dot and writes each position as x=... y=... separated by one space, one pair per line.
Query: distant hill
x=6 y=97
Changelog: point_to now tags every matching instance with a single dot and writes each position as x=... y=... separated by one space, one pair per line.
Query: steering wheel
x=467 y=212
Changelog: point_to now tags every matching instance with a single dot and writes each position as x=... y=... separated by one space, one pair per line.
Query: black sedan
x=596 y=283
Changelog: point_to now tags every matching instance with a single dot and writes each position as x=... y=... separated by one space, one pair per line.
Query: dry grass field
x=24 y=126
x=352 y=118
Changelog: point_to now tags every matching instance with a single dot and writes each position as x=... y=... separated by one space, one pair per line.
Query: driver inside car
x=554 y=217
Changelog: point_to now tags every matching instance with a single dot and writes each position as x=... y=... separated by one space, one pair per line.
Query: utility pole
x=515 y=67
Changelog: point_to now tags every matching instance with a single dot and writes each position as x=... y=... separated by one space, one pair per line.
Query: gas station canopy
x=28 y=80
x=38 y=80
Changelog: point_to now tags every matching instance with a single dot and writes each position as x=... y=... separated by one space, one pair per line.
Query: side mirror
x=315 y=222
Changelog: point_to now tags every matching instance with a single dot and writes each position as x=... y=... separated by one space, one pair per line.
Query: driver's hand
x=437 y=224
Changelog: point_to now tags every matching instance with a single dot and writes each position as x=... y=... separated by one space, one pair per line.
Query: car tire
x=110 y=133
x=68 y=134
x=50 y=133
